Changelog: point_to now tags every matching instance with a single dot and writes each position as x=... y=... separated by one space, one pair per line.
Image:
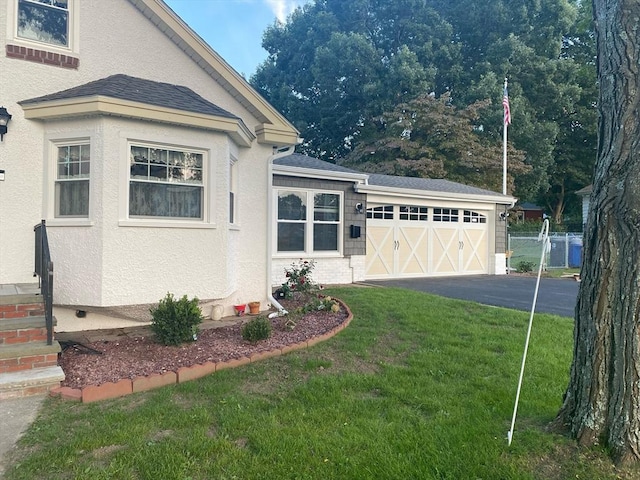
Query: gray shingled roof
x=135 y=89
x=390 y=181
x=428 y=184
x=304 y=161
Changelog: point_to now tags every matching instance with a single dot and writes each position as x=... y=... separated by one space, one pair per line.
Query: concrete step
x=30 y=382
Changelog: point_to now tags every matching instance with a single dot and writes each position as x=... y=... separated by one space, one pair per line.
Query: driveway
x=555 y=295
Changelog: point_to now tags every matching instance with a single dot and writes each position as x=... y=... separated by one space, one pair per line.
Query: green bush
x=258 y=328
x=525 y=266
x=176 y=321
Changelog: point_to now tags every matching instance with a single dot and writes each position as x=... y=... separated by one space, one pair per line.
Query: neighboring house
x=145 y=152
x=528 y=211
x=585 y=193
x=359 y=226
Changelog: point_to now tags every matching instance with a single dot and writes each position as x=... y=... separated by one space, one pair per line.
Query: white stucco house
x=157 y=168
x=145 y=152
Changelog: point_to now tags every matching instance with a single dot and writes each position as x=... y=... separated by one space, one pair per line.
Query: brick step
x=30 y=382
x=21 y=305
x=23 y=330
x=27 y=356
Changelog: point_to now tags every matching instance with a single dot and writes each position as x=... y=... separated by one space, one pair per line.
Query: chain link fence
x=524 y=250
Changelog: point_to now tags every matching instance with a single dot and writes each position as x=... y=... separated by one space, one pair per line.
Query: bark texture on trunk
x=602 y=401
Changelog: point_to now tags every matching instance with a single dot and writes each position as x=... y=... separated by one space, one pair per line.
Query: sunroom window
x=72 y=180
x=45 y=21
x=165 y=183
x=308 y=221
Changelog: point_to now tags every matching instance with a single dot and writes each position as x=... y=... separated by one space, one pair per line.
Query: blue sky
x=234 y=28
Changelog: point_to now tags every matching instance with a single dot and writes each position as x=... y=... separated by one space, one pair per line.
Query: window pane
x=292 y=205
x=291 y=237
x=72 y=199
x=163 y=200
x=326 y=207
x=325 y=236
x=72 y=184
x=44 y=21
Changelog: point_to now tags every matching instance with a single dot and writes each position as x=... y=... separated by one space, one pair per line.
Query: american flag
x=505 y=104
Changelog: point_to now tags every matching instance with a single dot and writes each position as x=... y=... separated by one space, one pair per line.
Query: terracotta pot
x=254 y=307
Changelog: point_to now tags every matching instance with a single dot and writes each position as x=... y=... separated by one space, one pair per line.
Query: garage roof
x=392 y=184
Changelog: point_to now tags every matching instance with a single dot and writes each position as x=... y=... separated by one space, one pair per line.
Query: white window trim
x=50 y=174
x=74 y=31
x=208 y=185
x=309 y=252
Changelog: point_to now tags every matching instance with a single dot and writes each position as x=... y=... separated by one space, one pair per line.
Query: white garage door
x=418 y=241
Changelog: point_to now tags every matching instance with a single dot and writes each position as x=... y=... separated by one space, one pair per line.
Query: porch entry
x=416 y=241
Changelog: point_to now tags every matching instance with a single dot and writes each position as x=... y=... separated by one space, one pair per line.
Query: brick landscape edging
x=95 y=393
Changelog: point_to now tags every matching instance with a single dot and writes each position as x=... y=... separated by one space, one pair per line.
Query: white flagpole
x=504 y=144
x=544 y=237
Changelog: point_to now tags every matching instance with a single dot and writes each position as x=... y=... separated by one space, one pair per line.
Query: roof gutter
x=435 y=195
x=278 y=153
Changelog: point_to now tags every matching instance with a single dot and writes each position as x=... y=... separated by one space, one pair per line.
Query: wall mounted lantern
x=4 y=120
x=359 y=208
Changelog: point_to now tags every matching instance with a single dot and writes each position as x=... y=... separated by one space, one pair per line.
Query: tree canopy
x=335 y=68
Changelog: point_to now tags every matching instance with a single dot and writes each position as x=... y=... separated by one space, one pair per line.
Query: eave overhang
x=103 y=105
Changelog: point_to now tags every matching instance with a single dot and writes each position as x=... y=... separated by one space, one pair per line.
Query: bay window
x=308 y=221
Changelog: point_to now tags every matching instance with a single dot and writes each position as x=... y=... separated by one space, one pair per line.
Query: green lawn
x=417 y=387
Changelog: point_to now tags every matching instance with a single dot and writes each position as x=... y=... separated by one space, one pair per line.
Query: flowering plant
x=299 y=278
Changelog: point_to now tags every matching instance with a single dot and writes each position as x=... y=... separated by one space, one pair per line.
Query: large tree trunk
x=602 y=402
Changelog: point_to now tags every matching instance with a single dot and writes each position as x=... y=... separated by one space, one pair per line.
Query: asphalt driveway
x=555 y=295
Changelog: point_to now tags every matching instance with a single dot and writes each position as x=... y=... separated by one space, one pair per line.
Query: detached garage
x=411 y=227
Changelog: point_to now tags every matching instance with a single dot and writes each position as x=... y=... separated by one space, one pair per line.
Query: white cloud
x=283 y=8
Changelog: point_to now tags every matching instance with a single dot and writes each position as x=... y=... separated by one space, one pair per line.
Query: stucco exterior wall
x=106 y=262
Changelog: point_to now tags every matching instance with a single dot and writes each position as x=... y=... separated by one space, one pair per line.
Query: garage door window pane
x=473 y=217
x=445 y=215
x=384 y=212
x=291 y=237
x=413 y=212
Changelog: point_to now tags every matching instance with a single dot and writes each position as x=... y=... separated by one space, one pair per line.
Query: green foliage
x=427 y=136
x=256 y=329
x=335 y=67
x=299 y=278
x=525 y=266
x=176 y=321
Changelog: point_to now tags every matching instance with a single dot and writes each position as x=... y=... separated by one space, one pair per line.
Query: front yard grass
x=417 y=386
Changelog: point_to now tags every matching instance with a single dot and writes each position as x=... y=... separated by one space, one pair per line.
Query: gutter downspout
x=278 y=154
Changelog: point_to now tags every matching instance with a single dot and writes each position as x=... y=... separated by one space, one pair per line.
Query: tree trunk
x=602 y=401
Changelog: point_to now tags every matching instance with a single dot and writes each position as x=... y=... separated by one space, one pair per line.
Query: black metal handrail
x=44 y=270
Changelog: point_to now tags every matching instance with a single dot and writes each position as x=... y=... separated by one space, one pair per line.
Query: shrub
x=299 y=278
x=176 y=321
x=258 y=328
x=525 y=266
